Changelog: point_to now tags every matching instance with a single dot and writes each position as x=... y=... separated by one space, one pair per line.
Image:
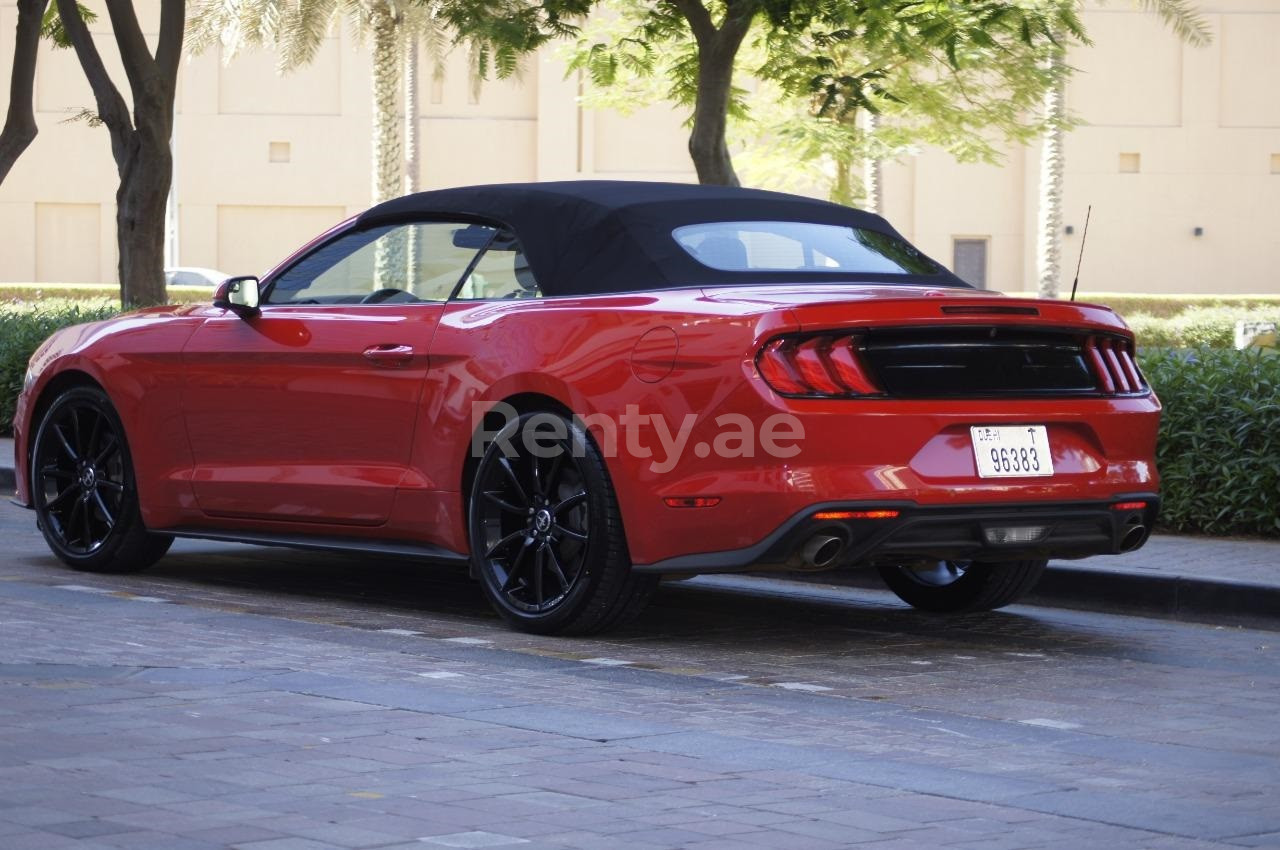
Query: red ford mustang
x=578 y=388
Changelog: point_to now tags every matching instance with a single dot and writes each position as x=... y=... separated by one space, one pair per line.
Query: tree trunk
x=1049 y=211
x=388 y=161
x=717 y=50
x=707 y=144
x=842 y=191
x=140 y=219
x=20 y=124
x=411 y=164
x=872 y=177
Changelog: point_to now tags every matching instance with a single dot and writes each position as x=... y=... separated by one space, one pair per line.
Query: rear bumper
x=969 y=532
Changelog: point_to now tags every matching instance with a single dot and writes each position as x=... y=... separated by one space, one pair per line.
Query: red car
x=578 y=388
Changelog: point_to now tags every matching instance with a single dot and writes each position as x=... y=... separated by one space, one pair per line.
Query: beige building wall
x=1174 y=138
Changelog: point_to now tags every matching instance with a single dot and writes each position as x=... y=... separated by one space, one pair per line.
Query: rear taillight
x=822 y=366
x=1112 y=363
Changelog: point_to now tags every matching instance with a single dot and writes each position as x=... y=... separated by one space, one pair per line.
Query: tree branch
x=139 y=66
x=20 y=123
x=699 y=18
x=172 y=26
x=112 y=108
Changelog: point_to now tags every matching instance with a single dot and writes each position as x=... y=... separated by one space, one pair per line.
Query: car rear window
x=777 y=246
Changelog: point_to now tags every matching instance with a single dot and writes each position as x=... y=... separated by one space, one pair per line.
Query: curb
x=1220 y=602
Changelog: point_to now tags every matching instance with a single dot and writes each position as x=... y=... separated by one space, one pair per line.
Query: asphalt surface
x=277 y=700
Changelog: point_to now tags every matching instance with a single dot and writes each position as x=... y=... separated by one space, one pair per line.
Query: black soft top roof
x=596 y=236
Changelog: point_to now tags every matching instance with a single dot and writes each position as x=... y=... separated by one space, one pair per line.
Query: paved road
x=285 y=701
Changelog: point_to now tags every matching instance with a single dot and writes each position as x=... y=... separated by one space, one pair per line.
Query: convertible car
x=576 y=389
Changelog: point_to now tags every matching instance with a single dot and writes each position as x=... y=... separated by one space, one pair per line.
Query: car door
x=305 y=413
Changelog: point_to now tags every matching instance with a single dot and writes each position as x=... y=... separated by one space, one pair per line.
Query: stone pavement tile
x=87 y=828
x=285 y=844
x=234 y=834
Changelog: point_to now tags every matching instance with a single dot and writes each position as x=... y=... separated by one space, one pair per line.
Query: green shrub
x=27 y=292
x=1210 y=327
x=23 y=327
x=1168 y=306
x=1219 y=449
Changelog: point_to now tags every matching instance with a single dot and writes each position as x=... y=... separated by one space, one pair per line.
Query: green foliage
x=1196 y=327
x=1219 y=449
x=52 y=30
x=1168 y=306
x=26 y=293
x=23 y=327
x=963 y=76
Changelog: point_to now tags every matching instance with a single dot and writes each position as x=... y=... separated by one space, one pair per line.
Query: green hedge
x=23 y=327
x=1219 y=451
x=28 y=292
x=1201 y=327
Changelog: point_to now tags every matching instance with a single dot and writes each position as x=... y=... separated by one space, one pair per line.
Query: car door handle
x=389 y=355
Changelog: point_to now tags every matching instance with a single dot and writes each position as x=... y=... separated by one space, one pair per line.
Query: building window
x=1130 y=163
x=969 y=259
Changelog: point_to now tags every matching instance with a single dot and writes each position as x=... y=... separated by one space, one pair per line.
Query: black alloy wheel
x=545 y=534
x=83 y=487
x=957 y=587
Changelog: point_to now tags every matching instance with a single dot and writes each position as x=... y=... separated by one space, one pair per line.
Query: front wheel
x=957 y=587
x=83 y=487
x=545 y=532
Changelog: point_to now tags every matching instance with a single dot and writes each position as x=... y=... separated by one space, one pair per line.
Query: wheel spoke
x=556 y=570
x=117 y=486
x=504 y=504
x=106 y=514
x=86 y=522
x=506 y=541
x=539 y=559
x=570 y=533
x=71 y=488
x=565 y=504
x=75 y=430
x=548 y=486
x=110 y=446
x=515 y=481
x=52 y=471
x=515 y=568
x=66 y=444
x=93 y=434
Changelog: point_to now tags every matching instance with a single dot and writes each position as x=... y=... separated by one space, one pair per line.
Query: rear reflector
x=692 y=501
x=825 y=515
x=1128 y=506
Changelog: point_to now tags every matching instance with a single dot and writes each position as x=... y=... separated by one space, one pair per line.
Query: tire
x=546 y=536
x=959 y=587
x=84 y=490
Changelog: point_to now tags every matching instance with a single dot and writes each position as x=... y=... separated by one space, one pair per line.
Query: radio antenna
x=1083 y=237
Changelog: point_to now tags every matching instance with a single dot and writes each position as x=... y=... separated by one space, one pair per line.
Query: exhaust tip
x=821 y=550
x=1133 y=537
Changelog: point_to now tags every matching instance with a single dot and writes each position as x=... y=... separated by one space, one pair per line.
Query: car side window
x=502 y=272
x=396 y=263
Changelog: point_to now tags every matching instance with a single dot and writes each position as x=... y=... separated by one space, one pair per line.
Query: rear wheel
x=957 y=587
x=546 y=535
x=83 y=487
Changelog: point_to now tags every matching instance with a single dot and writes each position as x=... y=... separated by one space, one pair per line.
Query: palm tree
x=1185 y=22
x=297 y=29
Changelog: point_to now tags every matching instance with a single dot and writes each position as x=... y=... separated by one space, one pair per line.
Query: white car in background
x=193 y=276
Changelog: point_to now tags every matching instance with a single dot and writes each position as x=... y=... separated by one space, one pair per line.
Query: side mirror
x=239 y=295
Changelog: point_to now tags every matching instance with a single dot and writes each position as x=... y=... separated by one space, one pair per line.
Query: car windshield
x=774 y=246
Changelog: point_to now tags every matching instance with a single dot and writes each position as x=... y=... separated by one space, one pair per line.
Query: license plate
x=1011 y=451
